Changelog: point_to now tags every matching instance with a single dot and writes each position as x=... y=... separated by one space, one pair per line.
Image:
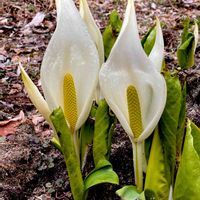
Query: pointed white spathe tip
x=92 y=28
x=157 y=53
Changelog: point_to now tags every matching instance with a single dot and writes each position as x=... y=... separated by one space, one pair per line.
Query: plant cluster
x=90 y=82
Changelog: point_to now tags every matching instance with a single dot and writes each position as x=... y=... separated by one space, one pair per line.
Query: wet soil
x=30 y=166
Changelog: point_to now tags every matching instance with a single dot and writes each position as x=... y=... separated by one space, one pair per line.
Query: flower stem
x=69 y=150
x=138 y=161
x=76 y=144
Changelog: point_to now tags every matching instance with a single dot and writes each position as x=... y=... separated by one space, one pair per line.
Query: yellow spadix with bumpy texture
x=134 y=111
x=70 y=102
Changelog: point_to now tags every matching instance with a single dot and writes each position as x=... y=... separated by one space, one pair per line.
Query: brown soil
x=30 y=167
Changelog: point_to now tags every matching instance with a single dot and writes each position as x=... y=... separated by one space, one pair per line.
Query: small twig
x=171 y=4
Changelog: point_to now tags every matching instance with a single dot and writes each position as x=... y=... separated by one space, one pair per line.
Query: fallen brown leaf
x=36 y=119
x=9 y=126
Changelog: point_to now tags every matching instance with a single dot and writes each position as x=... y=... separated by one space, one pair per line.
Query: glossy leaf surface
x=188 y=176
x=156 y=184
x=102 y=127
x=168 y=124
x=130 y=192
x=103 y=173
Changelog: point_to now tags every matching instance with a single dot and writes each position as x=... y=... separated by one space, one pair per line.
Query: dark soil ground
x=30 y=167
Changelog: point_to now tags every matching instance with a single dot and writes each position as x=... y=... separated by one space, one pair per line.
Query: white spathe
x=196 y=35
x=70 y=50
x=96 y=36
x=128 y=65
x=92 y=28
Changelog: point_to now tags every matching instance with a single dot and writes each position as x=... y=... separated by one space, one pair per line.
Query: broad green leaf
x=68 y=149
x=156 y=184
x=103 y=173
x=111 y=32
x=86 y=136
x=168 y=124
x=101 y=140
x=182 y=122
x=130 y=192
x=148 y=40
x=188 y=177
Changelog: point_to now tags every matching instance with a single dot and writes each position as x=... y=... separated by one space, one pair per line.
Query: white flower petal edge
x=129 y=65
x=34 y=95
x=92 y=28
x=70 y=50
x=156 y=55
x=196 y=35
x=96 y=36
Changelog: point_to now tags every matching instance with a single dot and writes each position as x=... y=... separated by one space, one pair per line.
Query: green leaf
x=86 y=137
x=109 y=139
x=130 y=192
x=66 y=139
x=181 y=123
x=188 y=176
x=115 y=21
x=185 y=53
x=111 y=32
x=148 y=40
x=102 y=132
x=56 y=143
x=184 y=35
x=169 y=122
x=195 y=131
x=148 y=143
x=103 y=173
x=186 y=49
x=156 y=184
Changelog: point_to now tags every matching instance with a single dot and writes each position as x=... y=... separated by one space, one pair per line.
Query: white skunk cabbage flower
x=69 y=71
x=133 y=86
